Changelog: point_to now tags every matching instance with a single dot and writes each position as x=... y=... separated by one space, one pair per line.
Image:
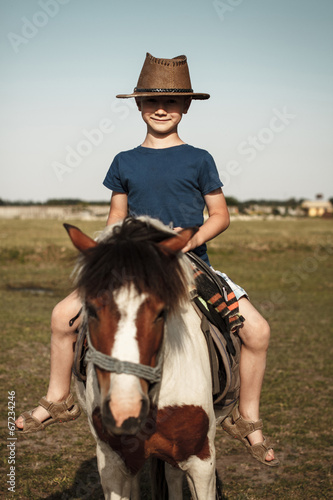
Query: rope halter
x=114 y=365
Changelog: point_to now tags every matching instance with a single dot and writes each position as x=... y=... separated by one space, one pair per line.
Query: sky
x=267 y=64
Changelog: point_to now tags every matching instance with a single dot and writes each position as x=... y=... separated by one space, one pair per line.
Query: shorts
x=238 y=290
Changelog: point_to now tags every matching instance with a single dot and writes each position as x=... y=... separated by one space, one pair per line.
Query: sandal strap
x=245 y=427
x=30 y=423
x=27 y=415
x=259 y=452
x=57 y=409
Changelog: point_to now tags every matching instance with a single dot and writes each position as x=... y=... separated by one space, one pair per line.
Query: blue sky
x=268 y=65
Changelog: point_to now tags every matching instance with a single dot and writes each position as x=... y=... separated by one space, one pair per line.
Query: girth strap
x=213 y=360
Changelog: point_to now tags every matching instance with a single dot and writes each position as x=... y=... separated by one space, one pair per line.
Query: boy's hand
x=217 y=222
x=190 y=245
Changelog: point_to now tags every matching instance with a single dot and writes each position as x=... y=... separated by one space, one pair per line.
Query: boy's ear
x=187 y=104
x=138 y=103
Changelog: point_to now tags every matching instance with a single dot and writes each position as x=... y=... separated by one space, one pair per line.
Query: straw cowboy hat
x=164 y=77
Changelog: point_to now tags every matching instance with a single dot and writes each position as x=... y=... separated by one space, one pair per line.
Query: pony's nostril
x=119 y=422
x=130 y=426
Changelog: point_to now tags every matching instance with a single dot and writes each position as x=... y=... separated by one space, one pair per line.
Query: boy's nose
x=160 y=111
x=160 y=107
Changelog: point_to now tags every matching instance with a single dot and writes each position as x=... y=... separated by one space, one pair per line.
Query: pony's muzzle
x=124 y=416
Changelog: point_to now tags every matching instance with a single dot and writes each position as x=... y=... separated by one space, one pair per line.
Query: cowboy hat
x=164 y=77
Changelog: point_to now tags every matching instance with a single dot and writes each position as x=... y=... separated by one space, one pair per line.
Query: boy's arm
x=118 y=208
x=217 y=222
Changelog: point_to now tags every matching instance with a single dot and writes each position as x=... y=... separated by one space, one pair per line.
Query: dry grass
x=287 y=268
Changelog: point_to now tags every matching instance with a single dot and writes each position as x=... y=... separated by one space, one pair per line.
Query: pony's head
x=129 y=280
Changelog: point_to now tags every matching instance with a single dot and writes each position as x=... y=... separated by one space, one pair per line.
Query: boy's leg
x=255 y=334
x=62 y=339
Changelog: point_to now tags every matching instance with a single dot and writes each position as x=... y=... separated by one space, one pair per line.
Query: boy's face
x=162 y=114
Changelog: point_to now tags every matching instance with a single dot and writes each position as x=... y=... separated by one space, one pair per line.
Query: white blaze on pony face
x=125 y=390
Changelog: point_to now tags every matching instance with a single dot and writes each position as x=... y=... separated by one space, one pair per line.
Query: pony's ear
x=178 y=242
x=80 y=240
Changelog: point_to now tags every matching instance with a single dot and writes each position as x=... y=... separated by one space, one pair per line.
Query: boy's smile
x=162 y=114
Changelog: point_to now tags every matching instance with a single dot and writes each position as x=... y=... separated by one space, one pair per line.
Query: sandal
x=59 y=413
x=239 y=428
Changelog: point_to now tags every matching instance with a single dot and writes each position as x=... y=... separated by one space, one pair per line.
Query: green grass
x=287 y=269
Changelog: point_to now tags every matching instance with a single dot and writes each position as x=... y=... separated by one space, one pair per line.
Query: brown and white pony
x=148 y=389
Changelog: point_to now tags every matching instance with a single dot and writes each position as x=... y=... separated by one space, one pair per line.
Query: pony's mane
x=128 y=254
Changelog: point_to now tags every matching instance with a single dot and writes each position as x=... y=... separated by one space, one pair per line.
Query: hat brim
x=193 y=95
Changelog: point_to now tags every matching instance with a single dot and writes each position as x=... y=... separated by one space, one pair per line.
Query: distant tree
x=242 y=208
x=107 y=202
x=331 y=200
x=73 y=201
x=292 y=202
x=65 y=201
x=231 y=201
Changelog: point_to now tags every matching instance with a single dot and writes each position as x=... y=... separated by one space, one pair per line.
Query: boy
x=172 y=181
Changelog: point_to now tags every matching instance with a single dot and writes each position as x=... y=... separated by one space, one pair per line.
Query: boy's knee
x=256 y=334
x=62 y=313
x=265 y=333
x=58 y=322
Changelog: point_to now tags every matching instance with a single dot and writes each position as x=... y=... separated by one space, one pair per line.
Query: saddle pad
x=80 y=349
x=215 y=298
x=224 y=364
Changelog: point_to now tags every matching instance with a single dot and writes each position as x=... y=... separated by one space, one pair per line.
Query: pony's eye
x=91 y=311
x=161 y=315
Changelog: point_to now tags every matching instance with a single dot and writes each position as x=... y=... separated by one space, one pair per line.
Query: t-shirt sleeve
x=208 y=176
x=113 y=179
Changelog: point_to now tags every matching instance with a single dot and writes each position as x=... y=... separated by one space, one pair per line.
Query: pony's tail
x=159 y=485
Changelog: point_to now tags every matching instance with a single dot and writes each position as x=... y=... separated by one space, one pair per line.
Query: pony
x=148 y=391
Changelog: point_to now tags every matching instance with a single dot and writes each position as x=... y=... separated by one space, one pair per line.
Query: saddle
x=217 y=306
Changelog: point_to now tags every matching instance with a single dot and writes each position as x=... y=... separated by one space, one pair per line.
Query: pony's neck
x=181 y=331
x=185 y=362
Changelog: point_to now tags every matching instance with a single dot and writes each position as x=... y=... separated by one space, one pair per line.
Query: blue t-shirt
x=168 y=184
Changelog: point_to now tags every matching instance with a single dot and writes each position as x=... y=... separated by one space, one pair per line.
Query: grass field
x=287 y=268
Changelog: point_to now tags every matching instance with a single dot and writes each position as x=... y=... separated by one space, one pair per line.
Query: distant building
x=233 y=210
x=70 y=212
x=317 y=208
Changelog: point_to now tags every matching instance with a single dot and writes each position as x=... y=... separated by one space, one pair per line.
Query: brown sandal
x=238 y=428
x=59 y=412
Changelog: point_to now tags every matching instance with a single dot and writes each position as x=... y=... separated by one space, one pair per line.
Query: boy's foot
x=242 y=429
x=47 y=413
